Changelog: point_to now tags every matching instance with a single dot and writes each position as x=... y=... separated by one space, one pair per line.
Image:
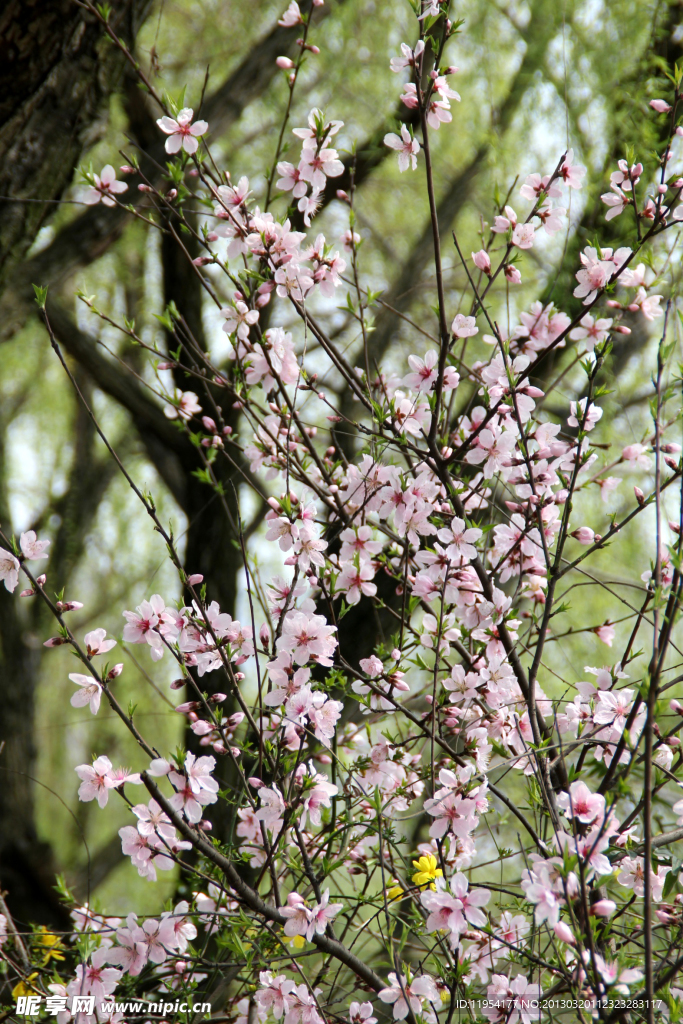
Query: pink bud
x=126 y=169
x=324 y=758
x=40 y=580
x=613 y=304
x=217 y=698
x=512 y=274
x=189 y=705
x=396 y=654
x=255 y=783
x=671 y=448
x=172 y=194
x=68 y=606
x=209 y=424
x=55 y=641
x=603 y=908
x=662 y=189
x=584 y=535
x=482 y=261
x=564 y=933
x=264 y=634
x=201 y=261
x=661 y=106
x=205 y=825
x=672 y=464
x=145 y=188
x=622 y=329
x=640 y=497
x=341 y=194
x=285 y=63
x=166 y=366
x=274 y=503
x=178 y=684
x=193 y=173
x=27 y=593
x=194 y=579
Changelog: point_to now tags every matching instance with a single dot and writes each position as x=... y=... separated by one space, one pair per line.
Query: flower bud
x=564 y=933
x=178 y=684
x=640 y=497
x=285 y=63
x=189 y=705
x=194 y=579
x=255 y=783
x=55 y=641
x=217 y=698
x=603 y=908
x=482 y=261
x=40 y=580
x=114 y=672
x=584 y=535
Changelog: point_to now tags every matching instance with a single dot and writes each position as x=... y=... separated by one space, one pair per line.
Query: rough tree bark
x=56 y=71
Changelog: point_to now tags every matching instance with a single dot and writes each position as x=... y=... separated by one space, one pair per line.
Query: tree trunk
x=56 y=71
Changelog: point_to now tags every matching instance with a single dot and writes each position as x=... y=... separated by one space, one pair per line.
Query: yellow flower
x=427 y=871
x=25 y=988
x=395 y=891
x=51 y=943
